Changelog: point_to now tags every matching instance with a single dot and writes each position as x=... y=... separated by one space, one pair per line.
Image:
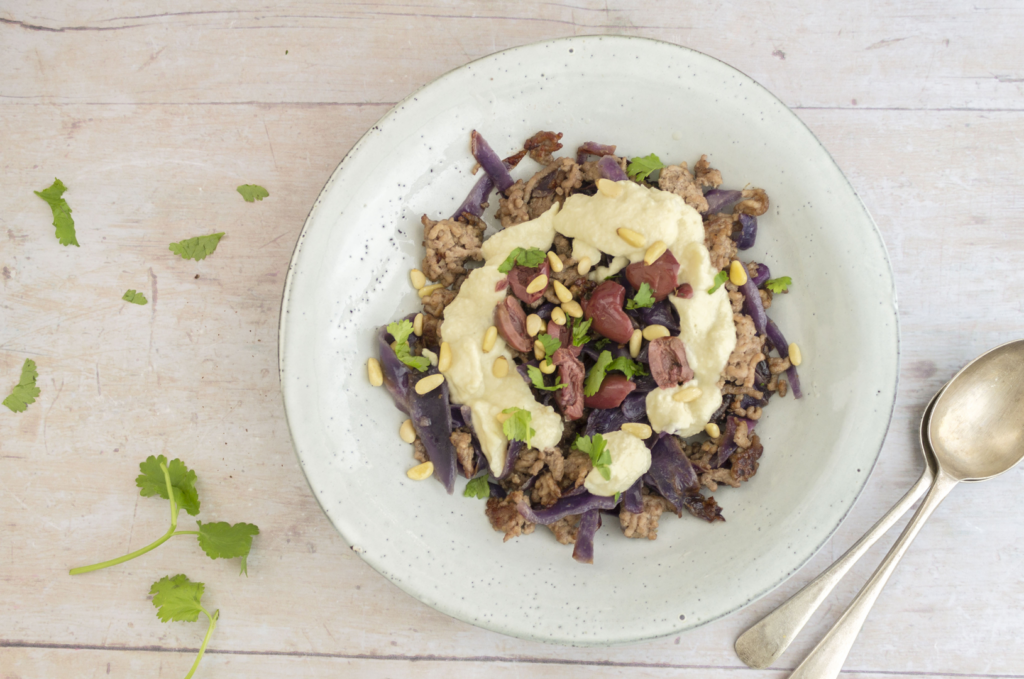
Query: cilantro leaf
x=628 y=366
x=135 y=297
x=221 y=540
x=183 y=482
x=61 y=212
x=529 y=258
x=196 y=248
x=252 y=192
x=642 y=299
x=596 y=447
x=720 y=278
x=596 y=376
x=178 y=598
x=640 y=168
x=537 y=377
x=25 y=391
x=401 y=330
x=602 y=343
x=517 y=427
x=617 y=496
x=478 y=488
x=780 y=284
x=551 y=344
x=579 y=332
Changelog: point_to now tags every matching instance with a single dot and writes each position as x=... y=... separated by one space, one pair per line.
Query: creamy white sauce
x=630 y=459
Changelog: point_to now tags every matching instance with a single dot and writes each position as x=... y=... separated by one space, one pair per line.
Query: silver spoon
x=765 y=641
x=976 y=432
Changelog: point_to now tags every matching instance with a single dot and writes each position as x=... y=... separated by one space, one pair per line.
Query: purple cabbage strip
x=748 y=234
x=661 y=313
x=496 y=490
x=633 y=498
x=431 y=415
x=794 y=382
x=544 y=311
x=781 y=346
x=566 y=506
x=490 y=161
x=592 y=148
x=634 y=406
x=478 y=195
x=583 y=551
x=511 y=455
x=398 y=377
x=644 y=384
x=719 y=198
x=609 y=169
x=671 y=472
x=753 y=307
x=458 y=419
x=604 y=420
x=729 y=446
x=763 y=274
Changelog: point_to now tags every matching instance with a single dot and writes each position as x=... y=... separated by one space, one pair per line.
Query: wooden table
x=153 y=112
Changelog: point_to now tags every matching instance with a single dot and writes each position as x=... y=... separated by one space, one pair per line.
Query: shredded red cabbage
x=671 y=472
x=781 y=346
x=583 y=551
x=610 y=169
x=721 y=198
x=565 y=506
x=633 y=498
x=753 y=306
x=511 y=455
x=592 y=148
x=397 y=375
x=490 y=161
x=748 y=233
x=763 y=274
x=729 y=446
x=478 y=195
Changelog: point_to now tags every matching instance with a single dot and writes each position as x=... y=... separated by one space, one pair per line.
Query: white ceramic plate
x=349 y=275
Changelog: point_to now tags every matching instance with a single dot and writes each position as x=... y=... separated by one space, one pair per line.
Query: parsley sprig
x=537 y=378
x=517 y=427
x=720 y=278
x=596 y=447
x=579 y=332
x=252 y=192
x=62 y=220
x=196 y=248
x=550 y=343
x=25 y=391
x=639 y=168
x=605 y=363
x=401 y=330
x=179 y=599
x=478 y=488
x=529 y=258
x=643 y=298
x=780 y=284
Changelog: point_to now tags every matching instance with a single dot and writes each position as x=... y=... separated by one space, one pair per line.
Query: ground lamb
x=449 y=244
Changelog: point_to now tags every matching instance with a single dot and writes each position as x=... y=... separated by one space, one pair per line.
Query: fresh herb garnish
x=595 y=446
x=25 y=391
x=252 y=192
x=401 y=330
x=529 y=258
x=605 y=363
x=537 y=377
x=517 y=427
x=177 y=483
x=551 y=344
x=478 y=488
x=602 y=343
x=642 y=299
x=640 y=168
x=61 y=212
x=579 y=332
x=179 y=599
x=135 y=297
x=720 y=278
x=780 y=284
x=618 y=496
x=196 y=248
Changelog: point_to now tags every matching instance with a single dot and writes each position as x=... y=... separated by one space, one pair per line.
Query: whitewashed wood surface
x=153 y=112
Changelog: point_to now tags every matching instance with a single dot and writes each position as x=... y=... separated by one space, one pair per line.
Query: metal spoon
x=763 y=643
x=976 y=432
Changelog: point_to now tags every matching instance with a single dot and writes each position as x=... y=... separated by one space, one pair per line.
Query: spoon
x=766 y=640
x=976 y=432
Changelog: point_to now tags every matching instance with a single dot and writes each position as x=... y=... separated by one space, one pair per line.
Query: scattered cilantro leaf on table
x=639 y=168
x=550 y=343
x=780 y=284
x=530 y=258
x=25 y=391
x=579 y=332
x=537 y=377
x=196 y=248
x=643 y=298
x=596 y=447
x=179 y=599
x=517 y=427
x=222 y=540
x=252 y=192
x=182 y=480
x=401 y=330
x=135 y=297
x=720 y=278
x=478 y=488
x=61 y=212
x=605 y=364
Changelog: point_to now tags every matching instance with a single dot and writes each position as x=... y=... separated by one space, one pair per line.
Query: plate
x=350 y=274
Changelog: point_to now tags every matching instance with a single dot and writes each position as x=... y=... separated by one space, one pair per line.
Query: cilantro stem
x=170 y=496
x=206 y=640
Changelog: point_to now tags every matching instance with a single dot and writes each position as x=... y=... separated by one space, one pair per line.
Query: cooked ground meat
x=742 y=391
x=563 y=247
x=705 y=175
x=735 y=297
x=754 y=203
x=505 y=518
x=545 y=491
x=431 y=330
x=419 y=451
x=541 y=145
x=644 y=524
x=462 y=439
x=434 y=304
x=740 y=437
x=566 y=529
x=783 y=387
x=679 y=180
x=512 y=208
x=742 y=365
x=745 y=461
x=718 y=239
x=577 y=466
x=449 y=244
x=778 y=365
x=712 y=478
x=703 y=508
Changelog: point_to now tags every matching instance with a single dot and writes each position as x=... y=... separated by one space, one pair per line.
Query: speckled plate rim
x=455 y=611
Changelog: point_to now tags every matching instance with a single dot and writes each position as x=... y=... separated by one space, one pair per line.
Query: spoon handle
x=827 y=658
x=765 y=641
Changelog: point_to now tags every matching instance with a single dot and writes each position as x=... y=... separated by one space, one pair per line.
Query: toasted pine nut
x=407 y=431
x=737 y=274
x=429 y=383
x=500 y=367
x=444 y=358
x=558 y=316
x=583 y=266
x=687 y=395
x=417 y=325
x=635 y=239
x=653 y=332
x=429 y=289
x=654 y=252
x=421 y=471
x=561 y=292
x=490 y=337
x=609 y=188
x=537 y=284
x=634 y=342
x=501 y=417
x=374 y=372
x=638 y=429
x=555 y=261
x=538 y=350
x=547 y=367
x=712 y=430
x=573 y=309
x=534 y=324
x=795 y=357
x=417 y=278
x=430 y=356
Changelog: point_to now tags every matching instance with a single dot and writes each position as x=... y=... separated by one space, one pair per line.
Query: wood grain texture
x=154 y=123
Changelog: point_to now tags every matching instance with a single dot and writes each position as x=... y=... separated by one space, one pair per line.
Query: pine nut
x=500 y=367
x=490 y=337
x=558 y=316
x=534 y=324
x=537 y=284
x=737 y=274
x=429 y=383
x=538 y=350
x=555 y=261
x=430 y=356
x=635 y=341
x=687 y=395
x=444 y=358
x=655 y=252
x=653 y=332
x=417 y=325
x=429 y=289
x=417 y=278
x=561 y=292
x=712 y=430
x=635 y=239
x=374 y=372
x=795 y=357
x=547 y=367
x=583 y=266
x=609 y=188
x=407 y=432
x=421 y=471
x=573 y=309
x=638 y=429
x=501 y=417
